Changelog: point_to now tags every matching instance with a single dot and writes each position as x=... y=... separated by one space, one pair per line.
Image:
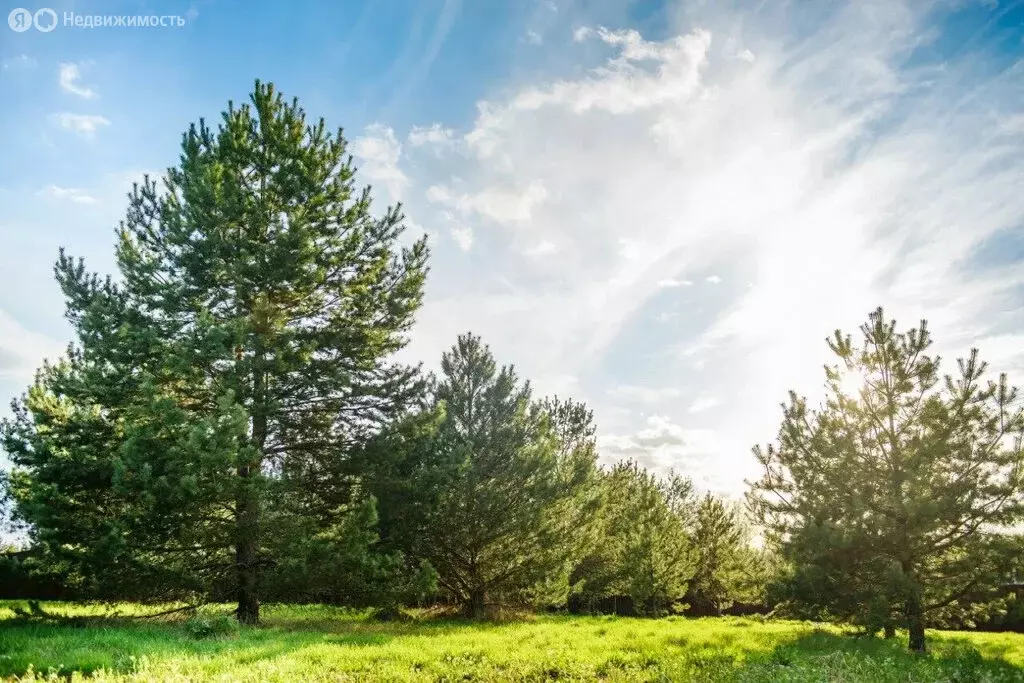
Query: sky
x=660 y=208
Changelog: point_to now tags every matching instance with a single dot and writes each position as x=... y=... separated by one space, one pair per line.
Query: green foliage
x=506 y=478
x=403 y=469
x=887 y=503
x=644 y=551
x=216 y=392
x=344 y=564
x=723 y=572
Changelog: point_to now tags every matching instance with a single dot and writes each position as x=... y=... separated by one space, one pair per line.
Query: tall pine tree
x=897 y=494
x=216 y=390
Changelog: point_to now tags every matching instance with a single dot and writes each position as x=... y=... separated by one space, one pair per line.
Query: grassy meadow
x=326 y=644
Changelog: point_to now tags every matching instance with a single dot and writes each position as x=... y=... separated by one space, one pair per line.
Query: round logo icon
x=20 y=19
x=45 y=20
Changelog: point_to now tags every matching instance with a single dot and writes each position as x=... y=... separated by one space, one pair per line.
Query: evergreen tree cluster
x=231 y=424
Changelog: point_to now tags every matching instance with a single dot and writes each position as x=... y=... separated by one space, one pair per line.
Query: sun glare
x=851 y=382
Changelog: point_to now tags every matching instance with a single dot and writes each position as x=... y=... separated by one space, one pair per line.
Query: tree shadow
x=120 y=645
x=826 y=655
x=126 y=646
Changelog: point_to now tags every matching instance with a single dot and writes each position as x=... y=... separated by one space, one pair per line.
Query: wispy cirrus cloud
x=21 y=61
x=379 y=150
x=85 y=125
x=68 y=76
x=645 y=394
x=801 y=177
x=67 y=193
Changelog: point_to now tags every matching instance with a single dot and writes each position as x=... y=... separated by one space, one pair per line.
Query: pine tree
x=489 y=535
x=643 y=551
x=718 y=538
x=221 y=384
x=895 y=497
x=571 y=521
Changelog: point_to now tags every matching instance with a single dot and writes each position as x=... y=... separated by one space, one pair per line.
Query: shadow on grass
x=119 y=646
x=824 y=655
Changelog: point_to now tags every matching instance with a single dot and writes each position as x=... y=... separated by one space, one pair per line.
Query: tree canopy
x=217 y=388
x=896 y=496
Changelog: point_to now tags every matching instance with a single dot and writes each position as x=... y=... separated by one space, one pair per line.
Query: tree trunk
x=247 y=515
x=890 y=630
x=914 y=609
x=248 y=502
x=477 y=605
x=915 y=621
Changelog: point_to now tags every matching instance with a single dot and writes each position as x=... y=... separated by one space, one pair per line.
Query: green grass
x=327 y=644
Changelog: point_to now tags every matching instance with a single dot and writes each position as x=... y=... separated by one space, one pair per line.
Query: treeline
x=231 y=424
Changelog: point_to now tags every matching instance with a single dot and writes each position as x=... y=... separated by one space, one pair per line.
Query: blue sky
x=661 y=208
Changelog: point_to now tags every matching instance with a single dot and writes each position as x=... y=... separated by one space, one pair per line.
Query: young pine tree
x=215 y=391
x=895 y=495
x=717 y=535
x=491 y=533
x=643 y=552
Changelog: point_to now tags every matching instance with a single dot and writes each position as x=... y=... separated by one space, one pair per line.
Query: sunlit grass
x=328 y=644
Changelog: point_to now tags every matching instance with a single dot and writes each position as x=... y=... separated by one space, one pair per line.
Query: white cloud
x=68 y=75
x=67 y=193
x=704 y=403
x=22 y=61
x=463 y=236
x=663 y=445
x=22 y=351
x=542 y=248
x=644 y=394
x=534 y=38
x=621 y=86
x=500 y=204
x=434 y=134
x=713 y=279
x=83 y=124
x=1003 y=350
x=671 y=282
x=826 y=174
x=379 y=151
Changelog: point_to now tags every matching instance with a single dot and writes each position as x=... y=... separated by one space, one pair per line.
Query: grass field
x=327 y=644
